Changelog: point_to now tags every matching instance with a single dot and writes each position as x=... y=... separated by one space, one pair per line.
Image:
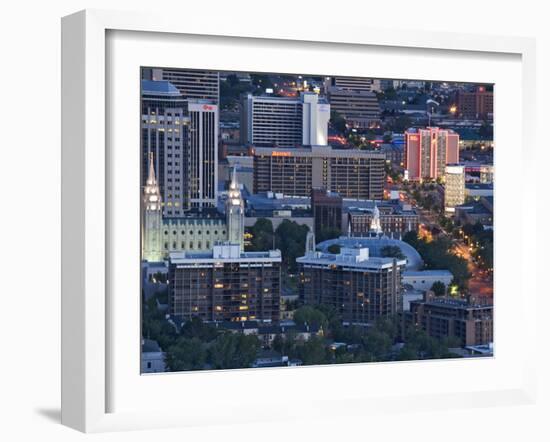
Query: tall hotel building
x=164 y=133
x=428 y=151
x=361 y=288
x=351 y=173
x=268 y=121
x=192 y=83
x=203 y=153
x=225 y=284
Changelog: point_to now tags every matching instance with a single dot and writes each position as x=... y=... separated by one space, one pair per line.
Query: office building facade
x=360 y=288
x=225 y=284
x=294 y=172
x=395 y=219
x=455 y=189
x=165 y=135
x=350 y=83
x=194 y=84
x=284 y=122
x=360 y=108
x=203 y=153
x=327 y=210
x=472 y=324
x=428 y=151
x=475 y=104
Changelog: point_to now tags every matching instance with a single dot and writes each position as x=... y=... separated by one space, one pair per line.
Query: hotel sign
x=280 y=154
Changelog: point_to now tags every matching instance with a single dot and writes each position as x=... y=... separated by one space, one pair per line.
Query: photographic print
x=310 y=219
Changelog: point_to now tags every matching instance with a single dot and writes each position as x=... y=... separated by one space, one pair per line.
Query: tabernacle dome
x=375 y=244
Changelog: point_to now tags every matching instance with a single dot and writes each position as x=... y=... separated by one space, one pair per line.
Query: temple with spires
x=196 y=231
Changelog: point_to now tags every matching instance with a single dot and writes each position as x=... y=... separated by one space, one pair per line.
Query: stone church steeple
x=152 y=217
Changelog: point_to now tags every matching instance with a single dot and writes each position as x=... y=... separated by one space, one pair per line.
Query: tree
x=234 y=350
x=438 y=288
x=338 y=121
x=291 y=240
x=334 y=249
x=196 y=328
x=310 y=315
x=392 y=252
x=377 y=345
x=186 y=354
x=262 y=235
x=402 y=123
x=313 y=352
x=327 y=233
x=411 y=238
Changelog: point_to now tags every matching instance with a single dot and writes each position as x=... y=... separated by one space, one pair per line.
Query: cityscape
x=299 y=219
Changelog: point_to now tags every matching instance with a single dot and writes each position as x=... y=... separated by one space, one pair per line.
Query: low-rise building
x=425 y=279
x=472 y=324
x=476 y=211
x=152 y=357
x=396 y=218
x=477 y=190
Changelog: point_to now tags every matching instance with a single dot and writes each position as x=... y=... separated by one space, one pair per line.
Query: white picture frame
x=87 y=355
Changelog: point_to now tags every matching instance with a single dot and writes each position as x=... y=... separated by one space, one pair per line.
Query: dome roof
x=375 y=246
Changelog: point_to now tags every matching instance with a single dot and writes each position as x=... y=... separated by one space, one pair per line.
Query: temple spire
x=234 y=211
x=234 y=185
x=375 y=225
x=310 y=243
x=151 y=179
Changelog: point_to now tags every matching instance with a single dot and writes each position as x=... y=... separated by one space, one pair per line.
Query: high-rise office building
x=350 y=83
x=284 y=122
x=192 y=84
x=203 y=153
x=454 y=187
x=359 y=287
x=428 y=151
x=225 y=284
x=164 y=133
x=294 y=172
x=360 y=108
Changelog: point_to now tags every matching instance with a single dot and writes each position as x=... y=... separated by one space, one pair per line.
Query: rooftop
x=351 y=258
x=161 y=87
x=375 y=246
x=480 y=186
x=223 y=252
x=150 y=346
x=452 y=303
